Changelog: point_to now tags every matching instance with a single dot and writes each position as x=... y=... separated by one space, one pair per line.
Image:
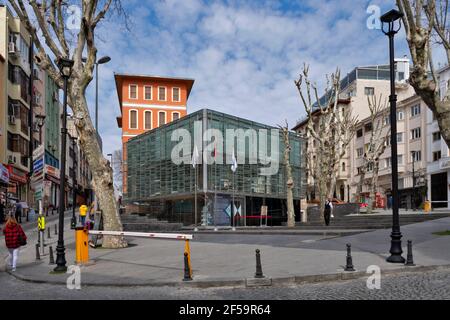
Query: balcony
x=444 y=163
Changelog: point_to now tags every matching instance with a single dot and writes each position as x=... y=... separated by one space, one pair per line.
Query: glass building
x=164 y=182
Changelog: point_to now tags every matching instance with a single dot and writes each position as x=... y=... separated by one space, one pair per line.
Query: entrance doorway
x=439 y=189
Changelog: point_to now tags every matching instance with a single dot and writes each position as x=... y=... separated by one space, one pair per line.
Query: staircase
x=368 y=221
x=137 y=223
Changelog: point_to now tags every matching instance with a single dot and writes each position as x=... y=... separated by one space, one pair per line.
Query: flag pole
x=195 y=200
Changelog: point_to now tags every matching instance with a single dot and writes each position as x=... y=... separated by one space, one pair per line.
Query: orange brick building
x=147 y=102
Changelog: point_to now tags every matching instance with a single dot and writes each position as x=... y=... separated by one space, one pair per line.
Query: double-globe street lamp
x=389 y=28
x=65 y=67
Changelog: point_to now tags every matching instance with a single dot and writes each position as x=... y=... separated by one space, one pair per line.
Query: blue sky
x=243 y=55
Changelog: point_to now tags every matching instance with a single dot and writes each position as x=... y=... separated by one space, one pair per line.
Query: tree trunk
x=102 y=179
x=289 y=181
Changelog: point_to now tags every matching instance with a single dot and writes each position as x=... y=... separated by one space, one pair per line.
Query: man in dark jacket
x=18 y=213
x=2 y=212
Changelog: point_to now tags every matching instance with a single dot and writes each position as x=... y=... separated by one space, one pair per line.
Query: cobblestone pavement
x=428 y=285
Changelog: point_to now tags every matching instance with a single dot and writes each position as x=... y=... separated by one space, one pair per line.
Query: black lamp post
x=413 y=200
x=389 y=21
x=73 y=222
x=65 y=67
x=102 y=60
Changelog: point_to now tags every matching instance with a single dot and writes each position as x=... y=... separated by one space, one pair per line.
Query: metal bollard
x=39 y=237
x=52 y=259
x=187 y=271
x=48 y=234
x=349 y=265
x=258 y=273
x=38 y=256
x=409 y=257
x=56 y=229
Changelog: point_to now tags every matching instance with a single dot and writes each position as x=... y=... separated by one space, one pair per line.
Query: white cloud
x=243 y=56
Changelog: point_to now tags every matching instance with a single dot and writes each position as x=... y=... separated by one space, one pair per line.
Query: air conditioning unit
x=12 y=48
x=11 y=159
x=12 y=120
x=37 y=99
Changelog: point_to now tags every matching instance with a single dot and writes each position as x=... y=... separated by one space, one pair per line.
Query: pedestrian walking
x=18 y=212
x=14 y=239
x=327 y=213
x=83 y=212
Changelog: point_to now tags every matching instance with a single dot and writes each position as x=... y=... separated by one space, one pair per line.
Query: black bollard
x=38 y=255
x=349 y=265
x=409 y=257
x=56 y=229
x=39 y=237
x=187 y=271
x=48 y=234
x=258 y=273
x=52 y=259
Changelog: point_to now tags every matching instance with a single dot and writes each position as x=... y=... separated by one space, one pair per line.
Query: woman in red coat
x=14 y=238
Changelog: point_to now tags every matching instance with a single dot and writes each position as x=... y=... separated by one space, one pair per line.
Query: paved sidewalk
x=160 y=262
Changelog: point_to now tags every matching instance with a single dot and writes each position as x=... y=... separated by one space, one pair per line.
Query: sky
x=243 y=55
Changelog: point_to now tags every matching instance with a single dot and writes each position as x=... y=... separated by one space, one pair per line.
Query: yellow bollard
x=81 y=246
x=187 y=249
x=427 y=206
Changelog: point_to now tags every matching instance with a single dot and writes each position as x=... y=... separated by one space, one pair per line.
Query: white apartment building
x=438 y=167
x=360 y=83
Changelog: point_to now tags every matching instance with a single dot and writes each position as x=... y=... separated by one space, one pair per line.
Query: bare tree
x=289 y=178
x=46 y=22
x=426 y=23
x=117 y=170
x=331 y=126
x=374 y=149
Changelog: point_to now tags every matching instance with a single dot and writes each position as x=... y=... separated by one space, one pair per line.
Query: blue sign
x=38 y=164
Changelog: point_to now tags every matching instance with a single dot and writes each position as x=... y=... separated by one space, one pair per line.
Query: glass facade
x=154 y=178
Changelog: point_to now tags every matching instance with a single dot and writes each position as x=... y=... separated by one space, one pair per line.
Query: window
x=416 y=156
x=400 y=137
x=400 y=159
x=343 y=166
x=437 y=155
x=147 y=93
x=161 y=118
x=369 y=91
x=133 y=119
x=175 y=116
x=400 y=115
x=359 y=152
x=436 y=136
x=401 y=183
x=370 y=167
x=162 y=93
x=17 y=76
x=388 y=162
x=386 y=121
x=415 y=110
x=176 y=94
x=434 y=117
x=400 y=76
x=133 y=91
x=359 y=170
x=415 y=133
x=147 y=120
x=359 y=133
x=368 y=127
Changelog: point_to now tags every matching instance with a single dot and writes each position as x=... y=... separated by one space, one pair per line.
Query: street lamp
x=110 y=156
x=389 y=21
x=65 y=67
x=102 y=60
x=73 y=222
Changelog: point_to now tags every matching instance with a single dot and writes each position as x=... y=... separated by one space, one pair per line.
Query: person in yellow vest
x=83 y=212
x=41 y=229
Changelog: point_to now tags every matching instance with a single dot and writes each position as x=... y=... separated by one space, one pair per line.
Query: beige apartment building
x=15 y=103
x=356 y=87
x=411 y=147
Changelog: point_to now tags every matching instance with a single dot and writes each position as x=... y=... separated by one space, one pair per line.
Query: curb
x=248 y=282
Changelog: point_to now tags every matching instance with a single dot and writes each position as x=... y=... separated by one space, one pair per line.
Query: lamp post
x=389 y=20
x=110 y=162
x=413 y=181
x=73 y=222
x=65 y=67
x=102 y=60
